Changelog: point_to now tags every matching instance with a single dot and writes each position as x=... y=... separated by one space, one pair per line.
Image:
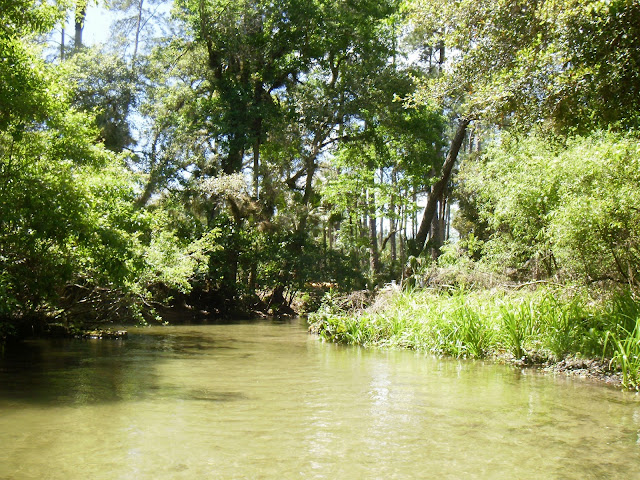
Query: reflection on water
x=265 y=400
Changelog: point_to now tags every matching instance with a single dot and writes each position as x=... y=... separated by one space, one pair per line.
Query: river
x=267 y=400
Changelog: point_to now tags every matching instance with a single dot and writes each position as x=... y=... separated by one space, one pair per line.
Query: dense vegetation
x=230 y=157
x=564 y=330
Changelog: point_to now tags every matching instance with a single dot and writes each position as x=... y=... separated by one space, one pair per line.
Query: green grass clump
x=518 y=326
x=622 y=338
x=626 y=355
x=546 y=323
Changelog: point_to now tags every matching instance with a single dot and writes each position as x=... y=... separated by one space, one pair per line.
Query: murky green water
x=266 y=400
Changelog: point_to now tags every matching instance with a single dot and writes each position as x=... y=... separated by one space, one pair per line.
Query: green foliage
x=597 y=224
x=564 y=323
x=68 y=215
x=517 y=326
x=626 y=356
x=571 y=64
x=261 y=86
x=104 y=86
x=602 y=38
x=26 y=90
x=516 y=210
x=622 y=340
x=255 y=103
x=543 y=325
x=257 y=52
x=171 y=263
x=473 y=337
x=392 y=153
x=560 y=209
x=68 y=218
x=405 y=140
x=43 y=209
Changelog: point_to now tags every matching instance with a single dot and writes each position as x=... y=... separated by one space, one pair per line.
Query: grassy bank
x=545 y=325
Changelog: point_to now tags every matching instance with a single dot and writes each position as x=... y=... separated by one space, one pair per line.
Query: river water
x=266 y=400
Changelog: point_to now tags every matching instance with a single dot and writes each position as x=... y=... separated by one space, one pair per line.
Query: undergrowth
x=544 y=324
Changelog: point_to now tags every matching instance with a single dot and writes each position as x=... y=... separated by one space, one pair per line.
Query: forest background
x=231 y=157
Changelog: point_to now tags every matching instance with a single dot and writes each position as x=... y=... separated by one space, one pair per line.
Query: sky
x=96 y=29
x=98 y=22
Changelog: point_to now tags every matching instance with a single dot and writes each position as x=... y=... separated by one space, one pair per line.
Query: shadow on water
x=81 y=372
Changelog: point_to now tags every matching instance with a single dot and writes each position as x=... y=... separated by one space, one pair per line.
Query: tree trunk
x=258 y=97
x=230 y=275
x=381 y=241
x=81 y=13
x=62 y=44
x=154 y=173
x=144 y=198
x=436 y=237
x=253 y=277
x=403 y=233
x=256 y=158
x=439 y=186
x=414 y=225
x=374 y=259
x=330 y=234
x=447 y=223
x=138 y=28
x=393 y=221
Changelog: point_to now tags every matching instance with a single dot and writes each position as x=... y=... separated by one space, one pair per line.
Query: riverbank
x=556 y=328
x=96 y=316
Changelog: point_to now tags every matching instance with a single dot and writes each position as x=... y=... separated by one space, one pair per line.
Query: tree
x=560 y=208
x=23 y=75
x=70 y=233
x=394 y=149
x=271 y=99
x=529 y=63
x=105 y=85
x=439 y=187
x=79 y=18
x=256 y=50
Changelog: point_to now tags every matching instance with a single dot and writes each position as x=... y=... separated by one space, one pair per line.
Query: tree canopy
x=230 y=155
x=569 y=64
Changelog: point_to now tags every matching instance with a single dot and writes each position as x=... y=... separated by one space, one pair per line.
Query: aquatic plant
x=623 y=338
x=517 y=326
x=534 y=325
x=472 y=336
x=561 y=324
x=626 y=356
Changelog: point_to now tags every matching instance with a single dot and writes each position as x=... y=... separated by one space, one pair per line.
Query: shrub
x=560 y=209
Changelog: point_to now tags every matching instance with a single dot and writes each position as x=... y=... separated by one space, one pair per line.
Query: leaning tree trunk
x=439 y=186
